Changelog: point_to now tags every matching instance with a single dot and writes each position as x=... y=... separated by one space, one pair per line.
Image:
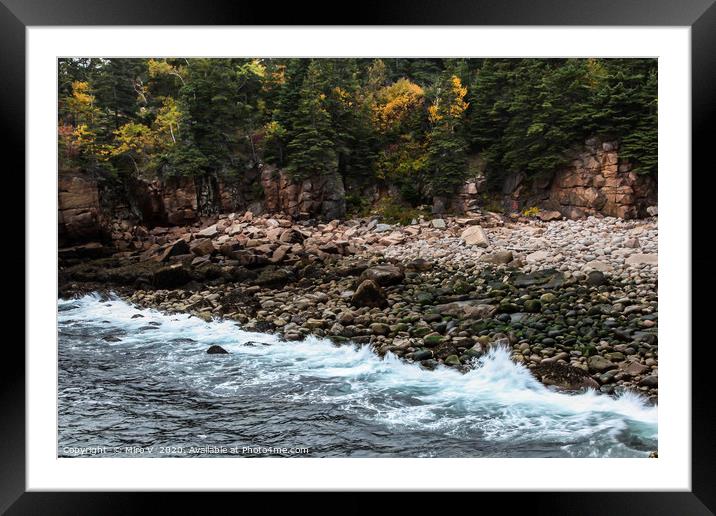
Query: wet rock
x=216 y=350
x=533 y=306
x=380 y=329
x=452 y=360
x=635 y=368
x=277 y=278
x=546 y=278
x=471 y=309
x=383 y=275
x=171 y=276
x=564 y=376
x=419 y=265
x=432 y=339
x=423 y=354
x=596 y=278
x=548 y=297
x=599 y=364
x=649 y=381
x=176 y=248
x=369 y=294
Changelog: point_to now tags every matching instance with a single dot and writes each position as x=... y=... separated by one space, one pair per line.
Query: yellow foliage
x=83 y=138
x=80 y=92
x=458 y=106
x=449 y=105
x=166 y=123
x=342 y=96
x=395 y=103
x=134 y=140
x=596 y=72
x=81 y=103
x=257 y=68
x=433 y=113
x=274 y=130
x=279 y=75
x=158 y=68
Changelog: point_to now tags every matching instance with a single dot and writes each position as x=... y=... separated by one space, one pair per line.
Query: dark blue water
x=144 y=386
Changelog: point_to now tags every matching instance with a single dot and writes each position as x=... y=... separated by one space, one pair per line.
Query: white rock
x=438 y=223
x=209 y=232
x=475 y=235
x=597 y=265
x=643 y=259
x=537 y=256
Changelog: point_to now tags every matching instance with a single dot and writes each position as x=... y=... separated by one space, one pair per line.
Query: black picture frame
x=700 y=15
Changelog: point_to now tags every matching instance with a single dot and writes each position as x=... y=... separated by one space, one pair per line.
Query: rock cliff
x=78 y=207
x=596 y=182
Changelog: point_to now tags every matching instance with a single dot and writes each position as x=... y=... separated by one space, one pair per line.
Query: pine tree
x=115 y=85
x=312 y=148
x=447 y=143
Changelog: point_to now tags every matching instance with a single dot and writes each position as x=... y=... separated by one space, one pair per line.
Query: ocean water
x=144 y=386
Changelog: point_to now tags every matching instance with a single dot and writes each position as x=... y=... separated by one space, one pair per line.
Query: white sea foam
x=497 y=400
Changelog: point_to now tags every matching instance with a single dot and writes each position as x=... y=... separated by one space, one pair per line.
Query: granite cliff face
x=596 y=182
x=78 y=207
x=324 y=196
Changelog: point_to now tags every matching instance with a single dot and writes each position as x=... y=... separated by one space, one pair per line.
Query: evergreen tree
x=116 y=85
x=447 y=143
x=406 y=123
x=312 y=148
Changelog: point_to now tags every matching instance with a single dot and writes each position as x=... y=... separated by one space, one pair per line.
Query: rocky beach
x=575 y=301
x=395 y=257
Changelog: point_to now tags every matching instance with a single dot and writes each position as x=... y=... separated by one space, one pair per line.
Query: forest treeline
x=410 y=123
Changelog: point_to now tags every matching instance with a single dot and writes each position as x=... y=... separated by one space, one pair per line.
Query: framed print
x=437 y=249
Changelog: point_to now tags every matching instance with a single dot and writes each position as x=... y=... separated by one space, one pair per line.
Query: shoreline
x=428 y=296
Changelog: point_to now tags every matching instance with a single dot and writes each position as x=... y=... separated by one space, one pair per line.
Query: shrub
x=531 y=212
x=394 y=212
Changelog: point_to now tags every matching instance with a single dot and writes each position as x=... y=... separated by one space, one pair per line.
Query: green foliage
x=312 y=149
x=447 y=154
x=394 y=211
x=409 y=124
x=527 y=115
x=357 y=205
